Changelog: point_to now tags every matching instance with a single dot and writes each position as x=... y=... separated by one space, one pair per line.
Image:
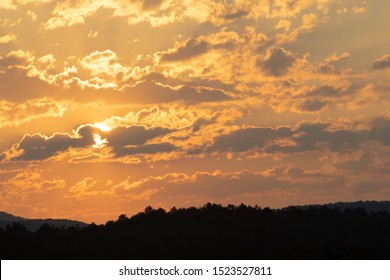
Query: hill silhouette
x=211 y=232
x=35 y=224
x=369 y=206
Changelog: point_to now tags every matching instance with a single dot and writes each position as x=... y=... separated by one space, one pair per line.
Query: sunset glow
x=102 y=126
x=108 y=106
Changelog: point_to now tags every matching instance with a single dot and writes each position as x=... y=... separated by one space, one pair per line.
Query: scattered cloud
x=179 y=102
x=14 y=114
x=8 y=38
x=382 y=62
x=277 y=61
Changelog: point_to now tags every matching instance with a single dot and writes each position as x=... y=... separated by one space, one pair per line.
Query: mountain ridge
x=35 y=224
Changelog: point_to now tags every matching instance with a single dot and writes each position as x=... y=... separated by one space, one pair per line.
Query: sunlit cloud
x=8 y=38
x=178 y=103
x=102 y=126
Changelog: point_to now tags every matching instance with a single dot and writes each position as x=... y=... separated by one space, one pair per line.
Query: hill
x=368 y=206
x=35 y=224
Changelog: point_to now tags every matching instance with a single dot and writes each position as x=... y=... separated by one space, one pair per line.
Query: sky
x=108 y=106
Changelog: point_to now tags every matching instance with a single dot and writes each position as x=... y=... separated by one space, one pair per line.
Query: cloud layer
x=107 y=106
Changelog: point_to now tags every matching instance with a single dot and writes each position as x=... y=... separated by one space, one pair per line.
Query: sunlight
x=102 y=127
x=99 y=142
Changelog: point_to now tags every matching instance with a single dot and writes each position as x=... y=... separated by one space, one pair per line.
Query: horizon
x=204 y=205
x=108 y=106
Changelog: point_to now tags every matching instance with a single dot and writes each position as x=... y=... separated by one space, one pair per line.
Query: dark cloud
x=149 y=92
x=236 y=15
x=248 y=138
x=39 y=147
x=277 y=61
x=313 y=136
x=312 y=105
x=132 y=140
x=307 y=137
x=163 y=147
x=122 y=140
x=16 y=86
x=199 y=94
x=382 y=62
x=363 y=164
x=326 y=91
x=202 y=122
x=191 y=48
x=133 y=135
x=151 y=4
x=380 y=130
x=14 y=59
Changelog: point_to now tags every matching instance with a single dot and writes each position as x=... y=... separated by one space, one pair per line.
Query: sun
x=102 y=126
x=99 y=142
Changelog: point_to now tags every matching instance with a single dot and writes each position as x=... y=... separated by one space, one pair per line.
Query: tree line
x=211 y=232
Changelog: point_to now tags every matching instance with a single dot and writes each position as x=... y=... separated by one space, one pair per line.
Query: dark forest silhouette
x=211 y=232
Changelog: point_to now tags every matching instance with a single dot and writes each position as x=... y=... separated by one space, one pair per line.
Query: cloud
x=92 y=34
x=122 y=140
x=164 y=147
x=311 y=105
x=380 y=130
x=17 y=58
x=7 y=4
x=8 y=38
x=236 y=186
x=14 y=114
x=277 y=61
x=40 y=147
x=83 y=189
x=72 y=12
x=318 y=98
x=224 y=56
x=194 y=47
x=17 y=86
x=163 y=12
x=303 y=138
x=308 y=22
x=328 y=65
x=382 y=62
x=236 y=15
x=187 y=50
x=358 y=10
x=151 y=4
x=247 y=138
x=327 y=91
x=132 y=140
x=24 y=184
x=103 y=62
x=283 y=24
x=149 y=92
x=32 y=15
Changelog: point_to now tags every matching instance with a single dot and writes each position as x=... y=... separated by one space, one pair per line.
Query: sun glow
x=102 y=127
x=99 y=142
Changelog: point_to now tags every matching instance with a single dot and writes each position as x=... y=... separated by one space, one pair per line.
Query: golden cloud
x=8 y=38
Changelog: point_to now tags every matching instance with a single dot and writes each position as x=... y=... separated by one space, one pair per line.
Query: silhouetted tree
x=211 y=232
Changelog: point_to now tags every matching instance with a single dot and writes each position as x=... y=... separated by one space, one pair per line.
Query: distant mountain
x=9 y=218
x=369 y=206
x=35 y=224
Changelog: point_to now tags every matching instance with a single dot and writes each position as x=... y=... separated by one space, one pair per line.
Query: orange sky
x=107 y=106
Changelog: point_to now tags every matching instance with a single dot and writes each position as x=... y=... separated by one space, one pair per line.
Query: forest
x=211 y=232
